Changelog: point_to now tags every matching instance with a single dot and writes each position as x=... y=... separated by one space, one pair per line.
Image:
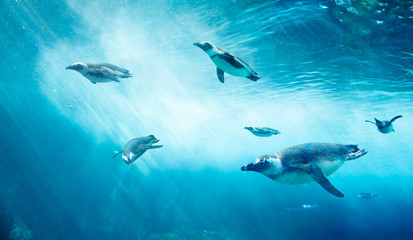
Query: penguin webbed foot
x=117 y=154
x=126 y=75
x=253 y=78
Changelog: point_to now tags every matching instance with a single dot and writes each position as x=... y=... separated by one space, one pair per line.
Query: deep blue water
x=326 y=66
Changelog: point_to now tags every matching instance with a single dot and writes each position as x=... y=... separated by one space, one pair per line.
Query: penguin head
x=386 y=123
x=264 y=164
x=79 y=66
x=249 y=128
x=151 y=139
x=204 y=45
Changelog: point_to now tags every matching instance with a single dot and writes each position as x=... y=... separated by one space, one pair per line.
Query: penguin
x=305 y=163
x=137 y=147
x=227 y=62
x=385 y=126
x=366 y=195
x=100 y=72
x=262 y=132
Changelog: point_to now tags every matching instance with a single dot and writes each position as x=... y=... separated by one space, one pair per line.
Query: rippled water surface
x=326 y=66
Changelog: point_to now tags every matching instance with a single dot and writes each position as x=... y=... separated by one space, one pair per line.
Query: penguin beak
x=245 y=167
x=69 y=67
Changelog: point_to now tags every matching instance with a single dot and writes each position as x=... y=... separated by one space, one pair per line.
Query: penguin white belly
x=386 y=129
x=299 y=176
x=98 y=79
x=228 y=68
x=263 y=134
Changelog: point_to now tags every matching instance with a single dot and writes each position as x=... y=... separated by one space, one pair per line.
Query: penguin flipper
x=148 y=146
x=155 y=146
x=396 y=117
x=220 y=74
x=317 y=174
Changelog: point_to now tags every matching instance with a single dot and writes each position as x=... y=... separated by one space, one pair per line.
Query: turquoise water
x=325 y=67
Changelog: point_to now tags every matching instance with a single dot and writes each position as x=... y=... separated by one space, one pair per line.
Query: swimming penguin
x=100 y=72
x=227 y=62
x=305 y=163
x=385 y=126
x=366 y=195
x=136 y=147
x=303 y=207
x=262 y=132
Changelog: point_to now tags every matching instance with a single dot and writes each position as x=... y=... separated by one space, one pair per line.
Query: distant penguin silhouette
x=262 y=132
x=137 y=147
x=305 y=163
x=385 y=126
x=227 y=62
x=100 y=72
x=366 y=195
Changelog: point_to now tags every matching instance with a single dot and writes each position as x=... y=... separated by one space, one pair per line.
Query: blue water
x=326 y=66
